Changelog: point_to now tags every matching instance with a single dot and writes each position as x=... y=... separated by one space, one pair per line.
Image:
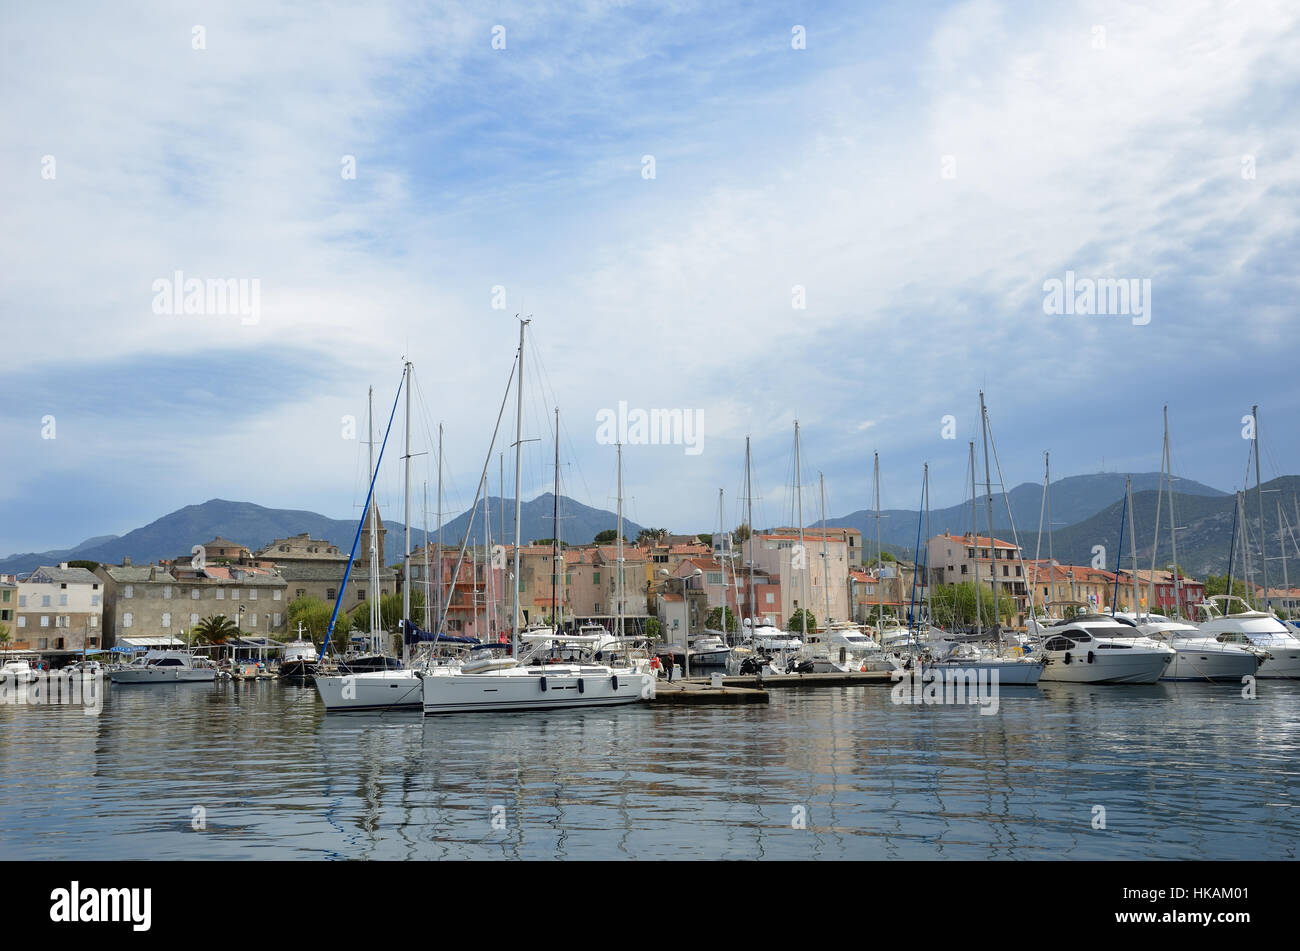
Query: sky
x=849 y=214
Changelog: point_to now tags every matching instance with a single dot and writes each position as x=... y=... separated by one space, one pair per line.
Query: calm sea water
x=1182 y=771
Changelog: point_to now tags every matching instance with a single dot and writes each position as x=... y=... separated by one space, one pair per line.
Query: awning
x=146 y=641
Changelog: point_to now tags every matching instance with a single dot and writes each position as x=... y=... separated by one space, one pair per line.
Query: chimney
x=153 y=572
x=63 y=565
x=126 y=562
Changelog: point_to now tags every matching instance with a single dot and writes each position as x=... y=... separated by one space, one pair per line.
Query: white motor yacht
x=18 y=672
x=1251 y=628
x=166 y=667
x=1097 y=649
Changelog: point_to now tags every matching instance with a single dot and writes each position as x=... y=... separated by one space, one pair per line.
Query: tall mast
x=555 y=529
x=1286 y=582
x=749 y=500
x=993 y=550
x=618 y=585
x=975 y=539
x=722 y=561
x=826 y=562
x=880 y=565
x=1132 y=541
x=487 y=559
x=427 y=580
x=519 y=447
x=1173 y=528
x=438 y=590
x=374 y=536
x=1155 y=543
x=798 y=495
x=406 y=518
x=1259 y=497
x=929 y=603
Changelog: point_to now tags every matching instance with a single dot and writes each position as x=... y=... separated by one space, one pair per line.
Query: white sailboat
x=536 y=686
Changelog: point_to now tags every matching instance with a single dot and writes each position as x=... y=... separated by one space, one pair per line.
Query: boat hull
x=1107 y=667
x=377 y=690
x=164 y=675
x=1195 y=664
x=535 y=688
x=298 y=671
x=1010 y=673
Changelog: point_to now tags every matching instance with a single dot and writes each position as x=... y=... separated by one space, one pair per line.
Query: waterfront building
x=59 y=609
x=958 y=558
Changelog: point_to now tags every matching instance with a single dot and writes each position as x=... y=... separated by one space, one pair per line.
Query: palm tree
x=216 y=629
x=4 y=637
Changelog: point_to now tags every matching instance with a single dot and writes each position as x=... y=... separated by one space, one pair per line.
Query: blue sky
x=1107 y=139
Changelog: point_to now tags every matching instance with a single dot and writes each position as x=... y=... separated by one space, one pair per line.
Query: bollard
x=716 y=681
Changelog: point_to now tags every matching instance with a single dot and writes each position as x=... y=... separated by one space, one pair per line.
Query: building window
x=167 y=619
x=45 y=600
x=45 y=620
x=63 y=600
x=252 y=619
x=94 y=600
x=963 y=569
x=234 y=594
x=43 y=644
x=22 y=621
x=330 y=594
x=22 y=600
x=275 y=620
x=252 y=594
x=275 y=595
x=595 y=577
x=128 y=591
x=771 y=598
x=127 y=619
x=167 y=592
x=194 y=619
x=221 y=594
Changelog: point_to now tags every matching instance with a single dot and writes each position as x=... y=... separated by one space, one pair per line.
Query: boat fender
x=614 y=680
x=543 y=682
x=582 y=688
x=1091 y=657
x=1067 y=657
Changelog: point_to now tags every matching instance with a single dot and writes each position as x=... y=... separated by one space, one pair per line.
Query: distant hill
x=255 y=525
x=1204 y=539
x=1074 y=499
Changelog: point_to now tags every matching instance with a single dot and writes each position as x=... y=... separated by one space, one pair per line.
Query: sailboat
x=376 y=680
x=534 y=686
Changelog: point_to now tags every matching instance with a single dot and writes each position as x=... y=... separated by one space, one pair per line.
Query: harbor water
x=258 y=770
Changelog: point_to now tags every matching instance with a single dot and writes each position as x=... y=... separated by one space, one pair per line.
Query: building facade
x=59 y=609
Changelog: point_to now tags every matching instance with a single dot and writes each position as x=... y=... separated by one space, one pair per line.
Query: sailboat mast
x=826 y=562
x=1286 y=582
x=993 y=550
x=406 y=518
x=880 y=565
x=555 y=529
x=487 y=559
x=803 y=552
x=1132 y=541
x=975 y=538
x=438 y=591
x=618 y=585
x=374 y=536
x=749 y=501
x=722 y=561
x=427 y=592
x=519 y=447
x=929 y=604
x=1259 y=497
x=1173 y=531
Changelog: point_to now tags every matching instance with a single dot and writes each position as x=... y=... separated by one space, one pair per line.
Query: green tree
x=742 y=533
x=1218 y=584
x=83 y=563
x=548 y=542
x=314 y=614
x=653 y=628
x=705 y=539
x=796 y=620
x=954 y=605
x=714 y=620
x=216 y=629
x=5 y=639
x=608 y=537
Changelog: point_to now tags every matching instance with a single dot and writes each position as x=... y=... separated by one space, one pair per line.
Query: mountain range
x=1086 y=512
x=255 y=526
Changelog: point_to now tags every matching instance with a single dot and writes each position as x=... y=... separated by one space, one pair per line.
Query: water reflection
x=1181 y=770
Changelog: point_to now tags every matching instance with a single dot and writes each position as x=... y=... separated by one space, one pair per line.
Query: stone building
x=59 y=609
x=152 y=605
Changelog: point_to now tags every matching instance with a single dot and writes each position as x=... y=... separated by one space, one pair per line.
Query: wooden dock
x=700 y=691
x=874 y=678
